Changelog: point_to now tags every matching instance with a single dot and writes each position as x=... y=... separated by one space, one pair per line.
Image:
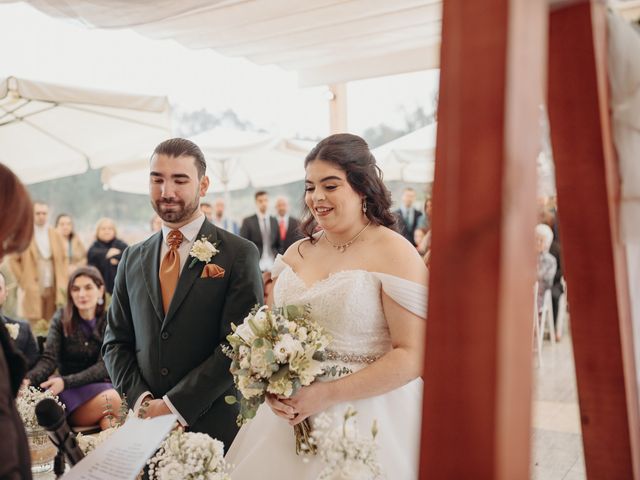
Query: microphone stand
x=59 y=464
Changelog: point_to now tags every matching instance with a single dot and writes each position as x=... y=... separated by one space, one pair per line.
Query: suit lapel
x=150 y=271
x=188 y=275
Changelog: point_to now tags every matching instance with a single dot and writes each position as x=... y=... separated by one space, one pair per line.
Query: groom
x=171 y=310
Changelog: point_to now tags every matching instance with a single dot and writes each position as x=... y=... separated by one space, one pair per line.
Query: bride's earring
x=364 y=205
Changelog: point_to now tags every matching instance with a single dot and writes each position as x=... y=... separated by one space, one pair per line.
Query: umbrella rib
x=59 y=140
x=20 y=118
x=111 y=115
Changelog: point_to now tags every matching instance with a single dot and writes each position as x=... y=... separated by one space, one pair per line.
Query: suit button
x=164 y=335
x=164 y=372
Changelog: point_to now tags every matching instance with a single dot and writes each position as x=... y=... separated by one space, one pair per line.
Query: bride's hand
x=279 y=408
x=309 y=400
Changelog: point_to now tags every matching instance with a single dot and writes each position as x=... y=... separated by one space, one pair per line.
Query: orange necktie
x=170 y=268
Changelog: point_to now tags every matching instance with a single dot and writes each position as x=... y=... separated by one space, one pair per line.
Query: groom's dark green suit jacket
x=179 y=354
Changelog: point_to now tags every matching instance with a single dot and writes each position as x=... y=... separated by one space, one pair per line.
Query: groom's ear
x=204 y=185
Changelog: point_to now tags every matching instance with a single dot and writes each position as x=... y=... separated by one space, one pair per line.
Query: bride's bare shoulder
x=296 y=252
x=397 y=256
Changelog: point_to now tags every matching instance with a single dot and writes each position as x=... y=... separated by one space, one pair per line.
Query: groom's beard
x=173 y=210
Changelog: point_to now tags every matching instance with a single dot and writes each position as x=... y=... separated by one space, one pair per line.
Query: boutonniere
x=203 y=251
x=14 y=330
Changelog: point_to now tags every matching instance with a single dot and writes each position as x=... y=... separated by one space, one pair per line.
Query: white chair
x=563 y=310
x=537 y=334
x=546 y=317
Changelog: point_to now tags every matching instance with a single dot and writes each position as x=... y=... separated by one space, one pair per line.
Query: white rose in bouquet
x=286 y=348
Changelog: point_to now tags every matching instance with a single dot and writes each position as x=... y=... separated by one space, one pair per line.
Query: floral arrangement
x=28 y=398
x=13 y=329
x=189 y=456
x=278 y=352
x=203 y=251
x=346 y=454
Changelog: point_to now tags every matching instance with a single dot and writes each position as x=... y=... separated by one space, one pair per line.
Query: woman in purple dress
x=73 y=349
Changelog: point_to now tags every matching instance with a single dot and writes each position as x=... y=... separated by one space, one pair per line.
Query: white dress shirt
x=45 y=262
x=189 y=231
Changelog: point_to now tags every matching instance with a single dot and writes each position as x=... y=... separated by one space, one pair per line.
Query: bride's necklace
x=343 y=246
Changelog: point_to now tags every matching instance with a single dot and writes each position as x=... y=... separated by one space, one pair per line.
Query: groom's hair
x=181 y=147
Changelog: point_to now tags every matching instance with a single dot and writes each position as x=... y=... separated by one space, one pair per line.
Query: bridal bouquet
x=345 y=453
x=189 y=455
x=276 y=351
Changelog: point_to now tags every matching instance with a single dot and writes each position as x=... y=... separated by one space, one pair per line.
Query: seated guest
x=74 y=249
x=106 y=251
x=547 y=265
x=73 y=348
x=24 y=341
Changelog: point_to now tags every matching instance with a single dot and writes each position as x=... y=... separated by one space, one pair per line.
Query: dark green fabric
x=179 y=355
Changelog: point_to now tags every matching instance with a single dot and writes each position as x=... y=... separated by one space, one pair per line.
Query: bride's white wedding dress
x=348 y=304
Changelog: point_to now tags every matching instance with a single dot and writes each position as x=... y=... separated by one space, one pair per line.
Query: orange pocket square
x=211 y=270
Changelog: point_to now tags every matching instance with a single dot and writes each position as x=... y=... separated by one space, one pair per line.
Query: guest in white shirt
x=262 y=229
x=219 y=219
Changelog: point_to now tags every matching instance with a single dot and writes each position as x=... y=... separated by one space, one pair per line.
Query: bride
x=367 y=286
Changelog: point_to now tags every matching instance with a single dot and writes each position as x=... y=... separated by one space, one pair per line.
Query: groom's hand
x=155 y=408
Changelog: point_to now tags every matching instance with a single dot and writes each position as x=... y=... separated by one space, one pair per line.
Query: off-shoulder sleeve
x=408 y=294
x=278 y=266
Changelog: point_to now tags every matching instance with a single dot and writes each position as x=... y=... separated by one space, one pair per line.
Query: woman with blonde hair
x=105 y=253
x=74 y=249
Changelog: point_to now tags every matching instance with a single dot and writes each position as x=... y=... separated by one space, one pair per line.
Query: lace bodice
x=349 y=305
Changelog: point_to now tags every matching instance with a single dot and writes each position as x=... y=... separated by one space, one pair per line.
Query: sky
x=35 y=46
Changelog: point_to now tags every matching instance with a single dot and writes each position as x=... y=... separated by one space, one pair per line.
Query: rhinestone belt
x=351 y=357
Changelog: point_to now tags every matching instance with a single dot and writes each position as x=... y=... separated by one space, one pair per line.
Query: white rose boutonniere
x=203 y=251
x=14 y=330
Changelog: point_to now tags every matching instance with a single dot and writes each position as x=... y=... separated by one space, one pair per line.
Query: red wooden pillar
x=594 y=260
x=477 y=400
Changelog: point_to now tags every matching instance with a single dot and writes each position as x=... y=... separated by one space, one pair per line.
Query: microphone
x=51 y=417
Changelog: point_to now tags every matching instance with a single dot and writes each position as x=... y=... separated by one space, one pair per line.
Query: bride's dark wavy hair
x=351 y=154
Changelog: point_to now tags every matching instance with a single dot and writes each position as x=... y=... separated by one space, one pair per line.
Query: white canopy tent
x=409 y=158
x=50 y=131
x=325 y=41
x=235 y=160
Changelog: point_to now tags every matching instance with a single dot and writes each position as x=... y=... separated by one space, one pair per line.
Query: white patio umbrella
x=236 y=160
x=409 y=158
x=49 y=131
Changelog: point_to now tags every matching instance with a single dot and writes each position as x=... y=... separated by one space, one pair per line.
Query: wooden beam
x=594 y=258
x=477 y=398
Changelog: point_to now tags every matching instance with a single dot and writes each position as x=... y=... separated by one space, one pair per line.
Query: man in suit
x=42 y=270
x=25 y=342
x=287 y=225
x=171 y=311
x=262 y=230
x=408 y=217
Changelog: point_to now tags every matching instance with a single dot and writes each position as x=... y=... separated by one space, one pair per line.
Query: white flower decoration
x=14 y=329
x=203 y=251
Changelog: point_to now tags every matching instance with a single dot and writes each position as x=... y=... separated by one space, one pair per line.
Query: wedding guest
x=106 y=251
x=16 y=231
x=418 y=237
x=262 y=229
x=41 y=270
x=288 y=226
x=156 y=223
x=25 y=341
x=547 y=265
x=10 y=306
x=220 y=220
x=408 y=216
x=73 y=349
x=424 y=247
x=207 y=209
x=74 y=249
